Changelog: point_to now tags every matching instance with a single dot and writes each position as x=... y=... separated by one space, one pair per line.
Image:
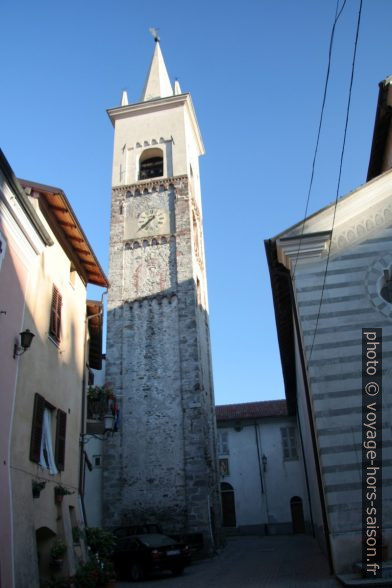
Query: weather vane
x=154 y=33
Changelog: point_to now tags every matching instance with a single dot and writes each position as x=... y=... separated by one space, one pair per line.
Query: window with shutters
x=223 y=443
x=289 y=443
x=42 y=441
x=60 y=439
x=55 y=315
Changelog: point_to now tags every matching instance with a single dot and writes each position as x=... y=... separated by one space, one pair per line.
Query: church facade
x=331 y=285
x=161 y=465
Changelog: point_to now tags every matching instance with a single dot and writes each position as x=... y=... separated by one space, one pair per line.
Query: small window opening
x=72 y=275
x=198 y=291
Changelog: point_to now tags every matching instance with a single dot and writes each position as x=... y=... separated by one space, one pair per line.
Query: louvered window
x=60 y=439
x=36 y=430
x=223 y=443
x=289 y=443
x=55 y=314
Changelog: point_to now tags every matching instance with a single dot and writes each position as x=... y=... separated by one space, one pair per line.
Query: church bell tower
x=161 y=464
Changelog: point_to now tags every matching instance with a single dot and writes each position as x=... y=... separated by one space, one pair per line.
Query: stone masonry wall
x=161 y=465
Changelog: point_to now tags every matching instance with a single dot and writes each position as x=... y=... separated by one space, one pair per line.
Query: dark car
x=136 y=556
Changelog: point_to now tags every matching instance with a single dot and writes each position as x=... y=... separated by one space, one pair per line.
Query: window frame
x=40 y=405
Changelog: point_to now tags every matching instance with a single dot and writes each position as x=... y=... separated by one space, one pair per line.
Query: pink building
x=46 y=264
x=22 y=238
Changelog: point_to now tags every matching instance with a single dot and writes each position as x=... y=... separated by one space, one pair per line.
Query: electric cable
x=41 y=476
x=337 y=16
x=339 y=177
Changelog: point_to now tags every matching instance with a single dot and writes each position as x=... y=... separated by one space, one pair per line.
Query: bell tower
x=161 y=465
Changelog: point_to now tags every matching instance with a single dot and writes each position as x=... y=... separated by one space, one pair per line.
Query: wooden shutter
x=36 y=429
x=60 y=439
x=55 y=314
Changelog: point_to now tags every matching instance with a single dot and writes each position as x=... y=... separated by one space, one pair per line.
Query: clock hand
x=146 y=223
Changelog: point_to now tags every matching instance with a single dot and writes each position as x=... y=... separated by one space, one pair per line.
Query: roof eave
x=45 y=190
x=283 y=309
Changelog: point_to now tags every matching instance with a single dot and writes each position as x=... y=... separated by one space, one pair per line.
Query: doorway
x=228 y=505
x=297 y=515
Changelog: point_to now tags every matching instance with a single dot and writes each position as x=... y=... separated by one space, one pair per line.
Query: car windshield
x=156 y=540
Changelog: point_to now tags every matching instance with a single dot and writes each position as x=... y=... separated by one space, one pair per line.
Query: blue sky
x=256 y=72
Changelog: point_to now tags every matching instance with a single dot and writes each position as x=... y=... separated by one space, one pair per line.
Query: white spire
x=157 y=83
x=177 y=89
x=124 y=98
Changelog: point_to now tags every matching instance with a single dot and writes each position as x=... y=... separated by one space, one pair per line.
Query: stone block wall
x=161 y=465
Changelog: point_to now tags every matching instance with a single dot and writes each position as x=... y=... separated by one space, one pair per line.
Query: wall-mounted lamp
x=26 y=338
x=264 y=462
x=109 y=427
x=108 y=422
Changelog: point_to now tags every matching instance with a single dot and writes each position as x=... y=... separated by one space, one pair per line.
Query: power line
x=339 y=176
x=40 y=476
x=337 y=16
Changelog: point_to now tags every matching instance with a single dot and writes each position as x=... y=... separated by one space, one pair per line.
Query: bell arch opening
x=151 y=164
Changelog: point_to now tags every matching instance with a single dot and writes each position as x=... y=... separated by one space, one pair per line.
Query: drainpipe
x=83 y=412
x=306 y=472
x=263 y=485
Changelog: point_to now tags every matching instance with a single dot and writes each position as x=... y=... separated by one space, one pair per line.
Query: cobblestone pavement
x=254 y=562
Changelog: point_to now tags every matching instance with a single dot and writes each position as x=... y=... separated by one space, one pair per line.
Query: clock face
x=150 y=220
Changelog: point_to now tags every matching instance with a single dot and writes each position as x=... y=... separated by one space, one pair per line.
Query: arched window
x=151 y=164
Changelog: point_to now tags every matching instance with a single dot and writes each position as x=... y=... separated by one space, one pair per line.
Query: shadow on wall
x=158 y=362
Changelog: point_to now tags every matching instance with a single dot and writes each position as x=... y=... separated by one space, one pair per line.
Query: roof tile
x=251 y=410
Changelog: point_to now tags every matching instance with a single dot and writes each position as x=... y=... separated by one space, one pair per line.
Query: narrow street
x=254 y=562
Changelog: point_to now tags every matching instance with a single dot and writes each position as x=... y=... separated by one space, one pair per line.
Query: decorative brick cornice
x=362 y=226
x=148 y=241
x=147 y=300
x=150 y=186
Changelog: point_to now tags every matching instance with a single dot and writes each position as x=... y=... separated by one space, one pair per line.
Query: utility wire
x=337 y=16
x=339 y=176
x=40 y=476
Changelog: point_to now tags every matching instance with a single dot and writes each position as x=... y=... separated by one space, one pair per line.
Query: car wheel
x=177 y=571
x=136 y=572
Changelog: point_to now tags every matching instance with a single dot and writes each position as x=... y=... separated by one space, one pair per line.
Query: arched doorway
x=228 y=505
x=297 y=515
x=44 y=537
